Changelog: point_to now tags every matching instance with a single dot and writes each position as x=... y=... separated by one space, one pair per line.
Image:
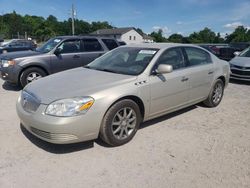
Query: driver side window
x=72 y=46
x=172 y=57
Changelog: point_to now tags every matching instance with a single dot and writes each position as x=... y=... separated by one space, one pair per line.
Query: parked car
x=222 y=51
x=122 y=43
x=240 y=66
x=115 y=93
x=17 y=45
x=58 y=54
x=240 y=46
x=226 y=53
x=213 y=48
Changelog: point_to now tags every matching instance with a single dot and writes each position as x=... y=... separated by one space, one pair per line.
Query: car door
x=92 y=49
x=200 y=73
x=169 y=91
x=67 y=55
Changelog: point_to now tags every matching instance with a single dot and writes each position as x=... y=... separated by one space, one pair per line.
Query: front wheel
x=30 y=75
x=120 y=123
x=216 y=94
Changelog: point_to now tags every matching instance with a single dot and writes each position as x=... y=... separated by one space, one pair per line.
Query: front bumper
x=11 y=73
x=60 y=130
x=240 y=74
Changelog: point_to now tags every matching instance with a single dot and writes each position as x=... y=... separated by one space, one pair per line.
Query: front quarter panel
x=40 y=61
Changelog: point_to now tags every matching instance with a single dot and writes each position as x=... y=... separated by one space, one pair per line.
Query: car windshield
x=124 y=60
x=5 y=44
x=49 y=45
x=245 y=53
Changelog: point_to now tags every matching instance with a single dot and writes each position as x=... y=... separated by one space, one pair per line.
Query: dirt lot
x=196 y=147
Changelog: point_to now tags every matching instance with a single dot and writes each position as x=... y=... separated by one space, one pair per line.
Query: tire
x=216 y=94
x=118 y=128
x=31 y=74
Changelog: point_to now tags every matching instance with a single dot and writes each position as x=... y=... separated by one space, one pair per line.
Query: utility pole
x=73 y=14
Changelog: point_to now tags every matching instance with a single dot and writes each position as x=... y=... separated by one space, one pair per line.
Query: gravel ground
x=195 y=147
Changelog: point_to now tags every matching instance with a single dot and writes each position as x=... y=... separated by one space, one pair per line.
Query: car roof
x=160 y=45
x=83 y=36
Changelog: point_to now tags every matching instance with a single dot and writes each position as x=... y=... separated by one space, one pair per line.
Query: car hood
x=241 y=61
x=74 y=83
x=14 y=55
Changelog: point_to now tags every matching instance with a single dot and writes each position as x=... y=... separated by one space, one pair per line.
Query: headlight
x=7 y=63
x=70 y=107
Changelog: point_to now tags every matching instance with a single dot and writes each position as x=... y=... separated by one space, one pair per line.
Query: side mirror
x=162 y=69
x=57 y=51
x=236 y=53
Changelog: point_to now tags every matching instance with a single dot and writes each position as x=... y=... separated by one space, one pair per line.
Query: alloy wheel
x=124 y=123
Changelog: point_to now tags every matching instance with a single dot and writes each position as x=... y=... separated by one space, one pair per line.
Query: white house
x=126 y=34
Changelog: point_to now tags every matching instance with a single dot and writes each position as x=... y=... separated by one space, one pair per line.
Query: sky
x=178 y=16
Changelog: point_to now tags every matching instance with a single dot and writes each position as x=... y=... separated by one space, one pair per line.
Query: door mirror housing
x=57 y=52
x=163 y=69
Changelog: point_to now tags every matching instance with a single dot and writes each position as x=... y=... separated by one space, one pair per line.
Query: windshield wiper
x=107 y=70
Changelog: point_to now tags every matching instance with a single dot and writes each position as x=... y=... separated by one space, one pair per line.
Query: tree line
x=41 y=29
x=240 y=34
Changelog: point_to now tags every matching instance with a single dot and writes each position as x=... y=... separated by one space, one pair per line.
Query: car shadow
x=57 y=148
x=11 y=87
x=239 y=82
x=167 y=116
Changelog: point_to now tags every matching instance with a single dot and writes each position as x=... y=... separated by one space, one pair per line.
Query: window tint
x=91 y=45
x=111 y=44
x=71 y=46
x=197 y=56
x=172 y=57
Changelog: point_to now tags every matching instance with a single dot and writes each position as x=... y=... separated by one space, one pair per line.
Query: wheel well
x=137 y=100
x=32 y=66
x=223 y=79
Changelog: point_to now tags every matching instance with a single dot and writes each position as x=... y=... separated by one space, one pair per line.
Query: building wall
x=132 y=37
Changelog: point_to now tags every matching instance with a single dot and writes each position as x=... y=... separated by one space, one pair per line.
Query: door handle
x=76 y=56
x=210 y=72
x=184 y=79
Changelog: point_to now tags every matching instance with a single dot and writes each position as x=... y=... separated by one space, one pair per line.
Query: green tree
x=240 y=34
x=176 y=38
x=204 y=36
x=158 y=36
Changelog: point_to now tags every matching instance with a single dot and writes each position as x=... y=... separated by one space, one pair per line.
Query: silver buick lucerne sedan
x=115 y=93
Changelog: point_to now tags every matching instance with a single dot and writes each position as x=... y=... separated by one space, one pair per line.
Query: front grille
x=239 y=67
x=240 y=72
x=53 y=136
x=29 y=102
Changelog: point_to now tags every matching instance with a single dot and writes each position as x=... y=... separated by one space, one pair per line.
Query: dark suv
x=57 y=54
x=17 y=45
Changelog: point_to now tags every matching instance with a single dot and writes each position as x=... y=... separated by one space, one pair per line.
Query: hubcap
x=33 y=76
x=217 y=94
x=124 y=123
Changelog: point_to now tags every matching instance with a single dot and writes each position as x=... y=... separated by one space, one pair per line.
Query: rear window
x=111 y=44
x=91 y=45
